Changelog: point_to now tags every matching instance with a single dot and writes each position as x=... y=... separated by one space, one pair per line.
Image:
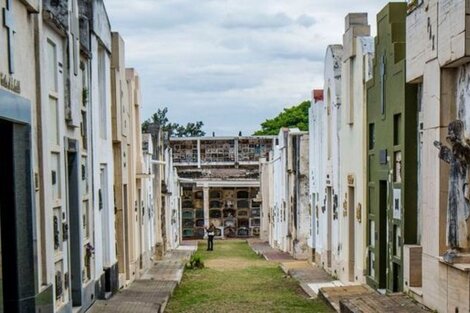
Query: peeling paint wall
x=173 y=223
x=266 y=190
x=326 y=166
x=316 y=155
x=285 y=181
x=300 y=196
x=280 y=218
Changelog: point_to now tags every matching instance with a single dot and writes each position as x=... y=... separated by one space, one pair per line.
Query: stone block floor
x=374 y=302
x=151 y=292
x=334 y=294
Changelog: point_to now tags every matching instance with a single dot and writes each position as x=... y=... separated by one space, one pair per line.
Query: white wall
x=105 y=251
x=326 y=166
x=356 y=71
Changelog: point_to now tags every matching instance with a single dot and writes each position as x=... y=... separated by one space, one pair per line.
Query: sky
x=230 y=63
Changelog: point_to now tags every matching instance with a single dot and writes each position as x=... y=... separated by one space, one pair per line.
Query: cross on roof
x=75 y=32
x=382 y=84
x=9 y=23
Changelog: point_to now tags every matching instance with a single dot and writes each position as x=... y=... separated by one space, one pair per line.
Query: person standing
x=210 y=237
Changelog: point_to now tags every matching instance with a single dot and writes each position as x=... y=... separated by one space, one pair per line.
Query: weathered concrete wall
x=286 y=197
x=300 y=195
x=316 y=155
x=100 y=23
x=57 y=11
x=173 y=205
x=280 y=237
x=266 y=184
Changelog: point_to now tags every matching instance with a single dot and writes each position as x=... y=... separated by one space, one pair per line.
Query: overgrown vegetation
x=235 y=279
x=195 y=262
x=294 y=117
x=173 y=129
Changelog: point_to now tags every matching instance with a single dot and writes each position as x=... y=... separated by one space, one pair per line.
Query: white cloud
x=230 y=63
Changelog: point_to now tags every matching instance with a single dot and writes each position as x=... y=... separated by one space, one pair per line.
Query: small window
x=396 y=129
x=396 y=241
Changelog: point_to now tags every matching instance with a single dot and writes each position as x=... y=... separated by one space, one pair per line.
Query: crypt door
x=17 y=262
x=352 y=233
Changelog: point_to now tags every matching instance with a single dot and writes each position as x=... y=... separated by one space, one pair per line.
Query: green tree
x=294 y=117
x=173 y=129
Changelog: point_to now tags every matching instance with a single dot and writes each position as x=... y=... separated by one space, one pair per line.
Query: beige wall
x=357 y=59
x=436 y=43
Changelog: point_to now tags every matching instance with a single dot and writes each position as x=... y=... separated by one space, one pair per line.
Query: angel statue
x=458 y=205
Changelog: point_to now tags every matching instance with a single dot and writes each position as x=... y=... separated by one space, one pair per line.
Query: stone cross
x=382 y=84
x=9 y=23
x=75 y=32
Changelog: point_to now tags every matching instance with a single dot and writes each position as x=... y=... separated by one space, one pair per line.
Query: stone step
x=334 y=294
x=309 y=291
x=103 y=306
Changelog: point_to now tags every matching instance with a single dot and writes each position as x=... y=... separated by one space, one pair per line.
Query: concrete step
x=103 y=306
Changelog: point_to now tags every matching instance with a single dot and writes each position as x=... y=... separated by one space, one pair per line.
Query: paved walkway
x=151 y=292
x=346 y=299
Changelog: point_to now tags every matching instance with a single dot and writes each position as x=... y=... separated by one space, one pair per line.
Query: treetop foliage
x=294 y=117
x=173 y=129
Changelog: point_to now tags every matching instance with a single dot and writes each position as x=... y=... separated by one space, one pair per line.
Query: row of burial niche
x=193 y=213
x=251 y=149
x=185 y=152
x=217 y=151
x=234 y=212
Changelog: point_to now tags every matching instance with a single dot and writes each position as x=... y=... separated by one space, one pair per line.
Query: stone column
x=206 y=206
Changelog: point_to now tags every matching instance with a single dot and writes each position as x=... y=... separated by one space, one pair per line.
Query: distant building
x=220 y=183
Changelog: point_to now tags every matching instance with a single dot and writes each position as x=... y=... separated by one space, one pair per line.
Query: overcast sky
x=230 y=63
